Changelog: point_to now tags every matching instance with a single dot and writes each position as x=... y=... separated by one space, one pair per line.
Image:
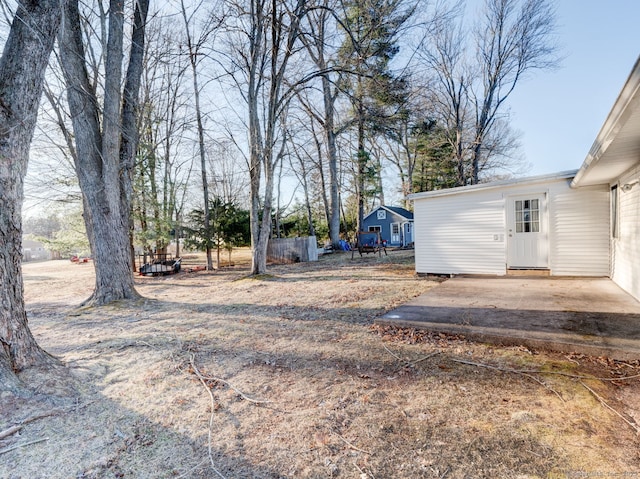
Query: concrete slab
x=585 y=315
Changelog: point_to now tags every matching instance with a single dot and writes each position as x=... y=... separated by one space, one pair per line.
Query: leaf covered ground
x=286 y=376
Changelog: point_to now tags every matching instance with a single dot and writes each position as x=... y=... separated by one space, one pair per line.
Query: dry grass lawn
x=284 y=376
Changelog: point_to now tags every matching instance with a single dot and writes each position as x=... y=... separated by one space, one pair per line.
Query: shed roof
x=393 y=209
x=495 y=184
x=617 y=147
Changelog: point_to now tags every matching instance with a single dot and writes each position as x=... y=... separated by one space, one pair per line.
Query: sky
x=559 y=113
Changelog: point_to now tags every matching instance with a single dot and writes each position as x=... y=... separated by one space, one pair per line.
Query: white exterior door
x=527 y=235
x=395 y=233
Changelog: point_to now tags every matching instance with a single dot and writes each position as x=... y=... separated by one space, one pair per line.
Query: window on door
x=528 y=216
x=395 y=229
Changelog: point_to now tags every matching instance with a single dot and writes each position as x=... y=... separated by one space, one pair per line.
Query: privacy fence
x=292 y=250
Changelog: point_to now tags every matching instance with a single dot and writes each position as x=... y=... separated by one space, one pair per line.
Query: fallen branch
x=410 y=363
x=236 y=390
x=213 y=409
x=190 y=471
x=13 y=429
x=604 y=403
x=355 y=448
x=413 y=363
x=10 y=431
x=25 y=444
x=392 y=353
x=363 y=474
x=544 y=385
x=538 y=371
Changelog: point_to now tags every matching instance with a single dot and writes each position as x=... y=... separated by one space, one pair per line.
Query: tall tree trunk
x=130 y=106
x=193 y=59
x=362 y=165
x=98 y=153
x=203 y=168
x=307 y=200
x=258 y=258
x=316 y=50
x=460 y=159
x=266 y=222
x=256 y=46
x=379 y=183
x=22 y=68
x=268 y=57
x=332 y=157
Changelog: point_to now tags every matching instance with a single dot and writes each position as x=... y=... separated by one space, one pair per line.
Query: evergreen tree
x=376 y=94
x=229 y=227
x=436 y=167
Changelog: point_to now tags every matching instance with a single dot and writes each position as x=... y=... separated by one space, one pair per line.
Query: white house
x=577 y=223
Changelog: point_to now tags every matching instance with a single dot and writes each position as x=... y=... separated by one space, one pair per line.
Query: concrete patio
x=585 y=315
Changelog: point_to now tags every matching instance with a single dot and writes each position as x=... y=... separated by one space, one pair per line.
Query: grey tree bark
x=98 y=140
x=271 y=46
x=316 y=45
x=130 y=114
x=22 y=68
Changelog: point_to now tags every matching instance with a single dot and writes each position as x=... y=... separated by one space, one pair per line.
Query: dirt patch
x=291 y=380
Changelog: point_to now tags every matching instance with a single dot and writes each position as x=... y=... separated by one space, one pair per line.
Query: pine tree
x=376 y=94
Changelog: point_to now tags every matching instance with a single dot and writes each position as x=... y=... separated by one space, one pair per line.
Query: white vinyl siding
x=579 y=225
x=626 y=248
x=455 y=234
x=465 y=233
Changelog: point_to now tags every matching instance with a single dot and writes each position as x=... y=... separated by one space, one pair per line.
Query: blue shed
x=395 y=224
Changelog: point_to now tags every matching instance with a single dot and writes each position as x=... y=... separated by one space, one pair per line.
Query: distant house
x=34 y=251
x=584 y=222
x=395 y=224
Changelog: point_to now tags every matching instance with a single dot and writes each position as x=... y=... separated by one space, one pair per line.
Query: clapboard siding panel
x=466 y=232
x=456 y=234
x=579 y=225
x=626 y=248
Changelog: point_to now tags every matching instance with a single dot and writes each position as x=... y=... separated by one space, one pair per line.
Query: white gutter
x=494 y=184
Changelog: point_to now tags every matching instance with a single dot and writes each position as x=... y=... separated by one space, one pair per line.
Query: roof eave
x=386 y=209
x=612 y=125
x=494 y=184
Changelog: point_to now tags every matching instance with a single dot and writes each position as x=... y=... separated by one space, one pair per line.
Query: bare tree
x=98 y=134
x=444 y=52
x=265 y=39
x=230 y=183
x=309 y=147
x=514 y=38
x=22 y=68
x=305 y=157
x=402 y=151
x=474 y=80
x=321 y=23
x=162 y=170
x=194 y=51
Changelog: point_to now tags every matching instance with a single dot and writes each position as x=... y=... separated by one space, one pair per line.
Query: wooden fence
x=292 y=250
